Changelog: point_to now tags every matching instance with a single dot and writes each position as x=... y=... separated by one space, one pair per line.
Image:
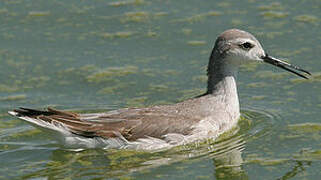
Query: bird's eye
x=247 y=45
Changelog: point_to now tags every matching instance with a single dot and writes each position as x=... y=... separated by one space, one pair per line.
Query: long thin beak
x=284 y=65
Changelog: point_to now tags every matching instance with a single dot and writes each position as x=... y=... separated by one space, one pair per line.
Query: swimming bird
x=164 y=126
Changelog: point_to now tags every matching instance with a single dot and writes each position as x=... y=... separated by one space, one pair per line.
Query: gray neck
x=222 y=82
x=222 y=79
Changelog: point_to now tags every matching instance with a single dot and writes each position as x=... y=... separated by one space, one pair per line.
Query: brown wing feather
x=129 y=123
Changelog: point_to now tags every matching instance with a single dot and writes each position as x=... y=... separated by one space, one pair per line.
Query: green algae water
x=95 y=56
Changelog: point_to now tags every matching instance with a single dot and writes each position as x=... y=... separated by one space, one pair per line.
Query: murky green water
x=88 y=55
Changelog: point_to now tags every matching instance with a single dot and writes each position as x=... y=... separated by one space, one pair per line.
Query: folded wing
x=131 y=124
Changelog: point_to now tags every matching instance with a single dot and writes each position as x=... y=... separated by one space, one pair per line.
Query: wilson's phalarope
x=205 y=116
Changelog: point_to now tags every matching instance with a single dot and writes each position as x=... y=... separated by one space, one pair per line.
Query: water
x=88 y=55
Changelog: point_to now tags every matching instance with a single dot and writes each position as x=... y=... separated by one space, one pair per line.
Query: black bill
x=284 y=65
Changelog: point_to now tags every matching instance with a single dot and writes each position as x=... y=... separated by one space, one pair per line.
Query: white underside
x=203 y=130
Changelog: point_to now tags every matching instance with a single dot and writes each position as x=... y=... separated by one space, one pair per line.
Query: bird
x=164 y=126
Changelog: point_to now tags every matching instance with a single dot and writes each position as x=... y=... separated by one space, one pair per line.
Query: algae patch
x=274 y=15
x=251 y=67
x=267 y=162
x=199 y=17
x=237 y=22
x=306 y=127
x=136 y=102
x=38 y=13
x=37 y=82
x=4 y=11
x=271 y=75
x=258 y=98
x=187 y=94
x=186 y=31
x=136 y=17
x=24 y=134
x=126 y=3
x=7 y=88
x=272 y=11
x=271 y=7
x=272 y=35
x=196 y=43
x=159 y=87
x=115 y=88
x=306 y=19
x=151 y=34
x=13 y=97
x=257 y=85
x=81 y=71
x=200 y=78
x=140 y=16
x=121 y=34
x=111 y=72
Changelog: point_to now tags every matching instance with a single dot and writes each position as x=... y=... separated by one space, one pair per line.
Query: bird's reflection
x=225 y=154
x=229 y=165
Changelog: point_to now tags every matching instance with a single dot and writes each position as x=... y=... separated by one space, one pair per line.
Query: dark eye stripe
x=246 y=45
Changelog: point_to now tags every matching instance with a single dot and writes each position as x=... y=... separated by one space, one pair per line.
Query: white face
x=243 y=50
